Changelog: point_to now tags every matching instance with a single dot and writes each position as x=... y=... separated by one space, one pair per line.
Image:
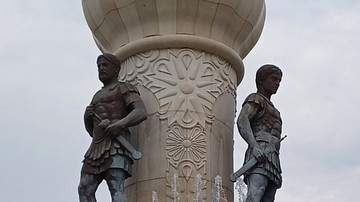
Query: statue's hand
x=104 y=123
x=89 y=111
x=114 y=129
x=259 y=153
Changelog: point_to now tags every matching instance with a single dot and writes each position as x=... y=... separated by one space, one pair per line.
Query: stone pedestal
x=186 y=58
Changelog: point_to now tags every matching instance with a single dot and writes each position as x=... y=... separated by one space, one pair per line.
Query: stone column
x=186 y=58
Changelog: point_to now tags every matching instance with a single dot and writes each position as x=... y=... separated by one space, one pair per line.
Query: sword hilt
x=283 y=138
x=136 y=155
x=233 y=177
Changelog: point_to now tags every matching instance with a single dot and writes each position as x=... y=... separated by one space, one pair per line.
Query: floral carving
x=186 y=82
x=189 y=144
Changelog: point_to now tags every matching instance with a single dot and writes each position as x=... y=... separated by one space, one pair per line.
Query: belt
x=269 y=138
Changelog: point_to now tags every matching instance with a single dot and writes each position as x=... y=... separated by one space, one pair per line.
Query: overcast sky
x=48 y=57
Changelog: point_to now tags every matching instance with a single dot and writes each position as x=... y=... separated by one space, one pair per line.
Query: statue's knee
x=119 y=196
x=250 y=199
x=255 y=194
x=81 y=189
x=117 y=191
x=85 y=190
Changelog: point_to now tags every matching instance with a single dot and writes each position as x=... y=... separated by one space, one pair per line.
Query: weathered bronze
x=114 y=108
x=259 y=124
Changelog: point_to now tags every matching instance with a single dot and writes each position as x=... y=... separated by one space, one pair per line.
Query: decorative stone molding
x=226 y=28
x=186 y=82
x=235 y=23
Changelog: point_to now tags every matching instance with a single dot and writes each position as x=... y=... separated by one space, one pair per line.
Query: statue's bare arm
x=88 y=119
x=247 y=112
x=136 y=116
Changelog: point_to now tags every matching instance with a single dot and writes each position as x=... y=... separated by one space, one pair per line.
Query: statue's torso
x=109 y=104
x=112 y=103
x=266 y=127
x=266 y=124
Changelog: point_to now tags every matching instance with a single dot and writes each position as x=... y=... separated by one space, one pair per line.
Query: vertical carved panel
x=186 y=83
x=186 y=149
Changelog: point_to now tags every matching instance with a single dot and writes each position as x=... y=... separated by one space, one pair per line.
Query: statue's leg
x=269 y=195
x=256 y=187
x=87 y=187
x=115 y=179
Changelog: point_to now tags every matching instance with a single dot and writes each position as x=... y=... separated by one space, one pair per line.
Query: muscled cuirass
x=267 y=120
x=266 y=124
x=108 y=104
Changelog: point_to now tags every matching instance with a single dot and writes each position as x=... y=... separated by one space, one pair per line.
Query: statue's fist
x=104 y=123
x=259 y=154
x=89 y=111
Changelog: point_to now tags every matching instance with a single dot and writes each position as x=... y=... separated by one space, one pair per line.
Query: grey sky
x=48 y=57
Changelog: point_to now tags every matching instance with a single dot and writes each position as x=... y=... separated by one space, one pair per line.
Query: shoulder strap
x=259 y=100
x=127 y=87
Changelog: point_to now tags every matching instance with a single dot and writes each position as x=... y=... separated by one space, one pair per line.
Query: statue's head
x=108 y=67
x=264 y=73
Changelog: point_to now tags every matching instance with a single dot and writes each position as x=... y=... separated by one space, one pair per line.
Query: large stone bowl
x=227 y=28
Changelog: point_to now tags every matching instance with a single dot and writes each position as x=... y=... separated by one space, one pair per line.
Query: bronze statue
x=259 y=124
x=114 y=108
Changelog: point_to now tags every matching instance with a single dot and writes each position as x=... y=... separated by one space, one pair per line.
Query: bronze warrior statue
x=259 y=124
x=114 y=108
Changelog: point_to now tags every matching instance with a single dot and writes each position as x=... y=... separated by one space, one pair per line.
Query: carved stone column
x=186 y=58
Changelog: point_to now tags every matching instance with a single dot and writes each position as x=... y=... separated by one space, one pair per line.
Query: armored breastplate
x=267 y=120
x=108 y=104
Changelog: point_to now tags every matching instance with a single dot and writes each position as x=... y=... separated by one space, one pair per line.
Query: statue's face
x=107 y=71
x=271 y=83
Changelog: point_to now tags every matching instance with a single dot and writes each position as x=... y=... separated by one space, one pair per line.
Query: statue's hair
x=264 y=71
x=111 y=58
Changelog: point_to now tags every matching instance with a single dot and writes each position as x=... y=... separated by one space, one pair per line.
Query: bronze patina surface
x=260 y=125
x=113 y=109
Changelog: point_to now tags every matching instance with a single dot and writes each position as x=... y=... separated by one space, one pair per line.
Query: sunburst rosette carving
x=186 y=82
x=182 y=143
x=186 y=154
